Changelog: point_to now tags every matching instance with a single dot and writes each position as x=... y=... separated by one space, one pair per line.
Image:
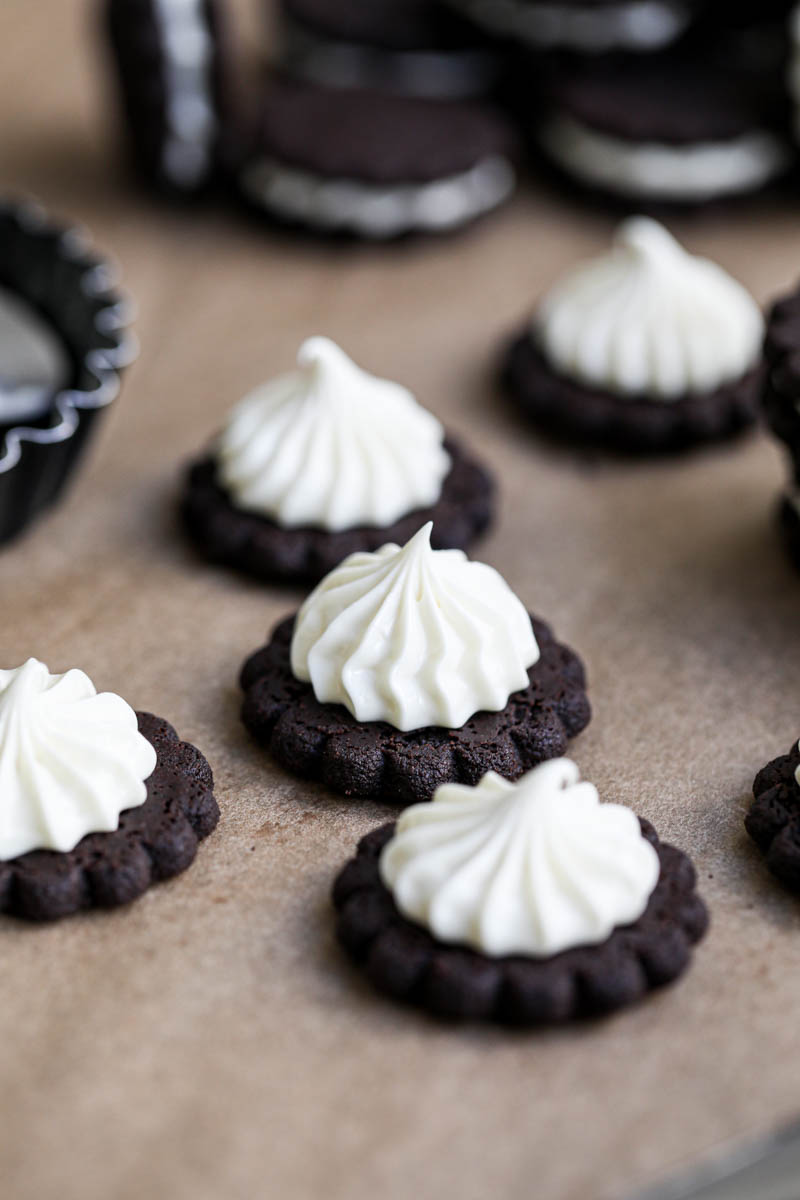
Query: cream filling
x=697 y=171
x=190 y=116
x=636 y=25
x=436 y=75
x=33 y=362
x=377 y=210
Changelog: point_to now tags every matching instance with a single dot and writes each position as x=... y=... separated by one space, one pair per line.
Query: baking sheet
x=212 y=1041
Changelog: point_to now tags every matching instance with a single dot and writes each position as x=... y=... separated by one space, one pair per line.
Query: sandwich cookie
x=677 y=129
x=97 y=802
x=647 y=348
x=409 y=47
x=522 y=903
x=773 y=821
x=374 y=165
x=328 y=460
x=410 y=667
x=173 y=78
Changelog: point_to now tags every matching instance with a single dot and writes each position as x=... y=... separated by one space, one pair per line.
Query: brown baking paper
x=211 y=1041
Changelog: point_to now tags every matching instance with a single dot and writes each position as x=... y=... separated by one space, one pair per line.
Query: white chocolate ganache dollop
x=71 y=760
x=332 y=447
x=534 y=867
x=650 y=319
x=414 y=636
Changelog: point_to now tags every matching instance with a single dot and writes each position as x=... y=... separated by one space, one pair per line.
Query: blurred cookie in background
x=174 y=83
x=671 y=128
x=373 y=165
x=408 y=47
x=647 y=349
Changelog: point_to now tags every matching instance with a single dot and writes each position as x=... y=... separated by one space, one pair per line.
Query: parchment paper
x=211 y=1041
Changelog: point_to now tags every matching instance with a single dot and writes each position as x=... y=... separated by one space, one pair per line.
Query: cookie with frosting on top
x=407 y=47
x=522 y=903
x=773 y=821
x=174 y=82
x=326 y=460
x=409 y=667
x=97 y=802
x=363 y=163
x=647 y=349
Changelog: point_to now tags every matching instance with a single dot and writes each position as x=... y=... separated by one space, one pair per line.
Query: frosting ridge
x=650 y=319
x=331 y=446
x=413 y=636
x=71 y=760
x=534 y=867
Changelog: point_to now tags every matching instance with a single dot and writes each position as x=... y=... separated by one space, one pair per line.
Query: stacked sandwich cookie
x=174 y=81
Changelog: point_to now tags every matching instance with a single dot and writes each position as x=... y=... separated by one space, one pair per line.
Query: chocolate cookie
x=408 y=47
x=676 y=128
x=782 y=380
x=569 y=409
x=773 y=821
x=406 y=961
x=153 y=842
x=258 y=546
x=173 y=80
x=375 y=165
x=324 y=742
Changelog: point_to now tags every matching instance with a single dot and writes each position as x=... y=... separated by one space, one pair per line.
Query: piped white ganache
x=332 y=447
x=414 y=636
x=71 y=760
x=534 y=867
x=650 y=319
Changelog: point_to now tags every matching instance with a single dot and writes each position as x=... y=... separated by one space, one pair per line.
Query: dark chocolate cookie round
x=155 y=841
x=376 y=138
x=404 y=960
x=636 y=424
x=773 y=821
x=258 y=546
x=372 y=758
x=173 y=78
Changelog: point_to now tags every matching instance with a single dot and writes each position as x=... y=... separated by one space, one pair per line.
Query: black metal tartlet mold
x=55 y=270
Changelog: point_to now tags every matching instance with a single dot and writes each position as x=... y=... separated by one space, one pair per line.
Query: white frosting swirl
x=650 y=319
x=414 y=636
x=332 y=447
x=70 y=760
x=533 y=867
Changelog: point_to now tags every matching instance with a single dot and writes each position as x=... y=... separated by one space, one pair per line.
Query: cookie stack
x=383 y=118
x=648 y=100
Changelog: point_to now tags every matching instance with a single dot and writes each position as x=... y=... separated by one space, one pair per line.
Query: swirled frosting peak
x=414 y=636
x=650 y=319
x=332 y=447
x=71 y=760
x=533 y=867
